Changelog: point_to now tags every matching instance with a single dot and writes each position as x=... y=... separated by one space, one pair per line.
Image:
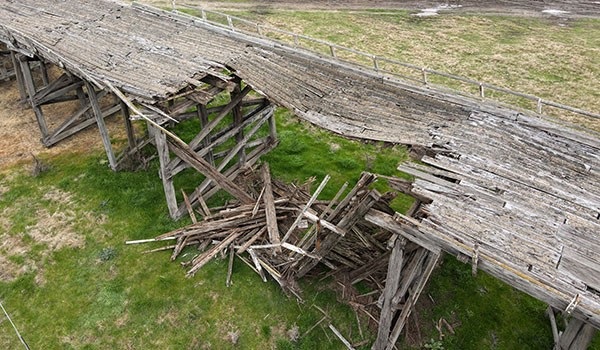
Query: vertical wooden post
x=128 y=126
x=31 y=91
x=237 y=120
x=112 y=160
x=272 y=127
x=19 y=76
x=165 y=174
x=44 y=71
x=203 y=116
x=269 y=202
x=431 y=261
x=577 y=336
x=392 y=283
x=83 y=101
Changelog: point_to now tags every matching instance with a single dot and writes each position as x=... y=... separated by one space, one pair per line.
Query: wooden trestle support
x=248 y=121
x=231 y=137
x=43 y=92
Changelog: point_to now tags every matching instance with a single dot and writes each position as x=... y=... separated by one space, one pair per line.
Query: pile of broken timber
x=286 y=232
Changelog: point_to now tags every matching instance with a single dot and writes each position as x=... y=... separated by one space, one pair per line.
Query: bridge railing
x=382 y=65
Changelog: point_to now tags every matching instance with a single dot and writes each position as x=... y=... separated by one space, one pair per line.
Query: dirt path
x=566 y=8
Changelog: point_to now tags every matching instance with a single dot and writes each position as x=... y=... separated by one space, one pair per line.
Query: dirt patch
x=9 y=270
x=122 y=320
x=170 y=317
x=20 y=136
x=53 y=229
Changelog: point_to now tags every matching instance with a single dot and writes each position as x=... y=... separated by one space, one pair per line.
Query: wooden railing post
x=424 y=71
x=332 y=50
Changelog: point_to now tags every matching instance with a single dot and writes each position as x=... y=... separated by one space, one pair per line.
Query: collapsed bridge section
x=513 y=194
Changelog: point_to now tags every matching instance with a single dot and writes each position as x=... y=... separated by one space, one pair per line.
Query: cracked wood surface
x=526 y=191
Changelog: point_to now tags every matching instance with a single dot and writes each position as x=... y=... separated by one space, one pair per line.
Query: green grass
x=486 y=313
x=106 y=295
x=549 y=58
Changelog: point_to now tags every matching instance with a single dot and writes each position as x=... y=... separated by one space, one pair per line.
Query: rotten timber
x=486 y=163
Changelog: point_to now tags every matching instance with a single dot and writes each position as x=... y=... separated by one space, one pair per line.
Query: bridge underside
x=514 y=195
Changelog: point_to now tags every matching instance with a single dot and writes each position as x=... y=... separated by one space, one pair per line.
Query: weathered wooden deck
x=516 y=195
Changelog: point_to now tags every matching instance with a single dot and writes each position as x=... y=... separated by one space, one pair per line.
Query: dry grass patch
x=555 y=60
x=55 y=230
x=30 y=250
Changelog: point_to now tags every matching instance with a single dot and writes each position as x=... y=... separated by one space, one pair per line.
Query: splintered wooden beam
x=93 y=97
x=207 y=129
x=350 y=210
x=392 y=283
x=269 y=202
x=341 y=337
x=306 y=207
x=231 y=153
x=19 y=76
x=577 y=335
x=258 y=115
x=237 y=120
x=160 y=142
x=431 y=261
x=201 y=165
x=31 y=91
x=202 y=259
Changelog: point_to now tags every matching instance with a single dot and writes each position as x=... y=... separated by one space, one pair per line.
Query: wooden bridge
x=510 y=192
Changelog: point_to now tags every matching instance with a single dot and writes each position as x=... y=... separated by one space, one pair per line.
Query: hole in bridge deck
x=592 y=290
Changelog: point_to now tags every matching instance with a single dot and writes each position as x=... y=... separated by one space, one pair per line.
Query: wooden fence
x=382 y=65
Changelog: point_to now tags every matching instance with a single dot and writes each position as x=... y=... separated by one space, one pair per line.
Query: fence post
x=332 y=50
x=481 y=90
x=258 y=30
x=539 y=105
x=203 y=15
x=375 y=64
x=230 y=23
x=173 y=5
x=424 y=72
x=296 y=42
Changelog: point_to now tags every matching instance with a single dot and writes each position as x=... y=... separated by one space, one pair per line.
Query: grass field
x=69 y=281
x=555 y=59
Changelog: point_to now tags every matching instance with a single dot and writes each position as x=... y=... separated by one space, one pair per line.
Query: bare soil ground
x=20 y=135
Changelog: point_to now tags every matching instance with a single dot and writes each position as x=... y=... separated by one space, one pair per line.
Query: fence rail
x=423 y=75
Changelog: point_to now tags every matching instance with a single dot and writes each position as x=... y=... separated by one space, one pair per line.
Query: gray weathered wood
x=394 y=272
x=160 y=141
x=269 y=203
x=93 y=97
